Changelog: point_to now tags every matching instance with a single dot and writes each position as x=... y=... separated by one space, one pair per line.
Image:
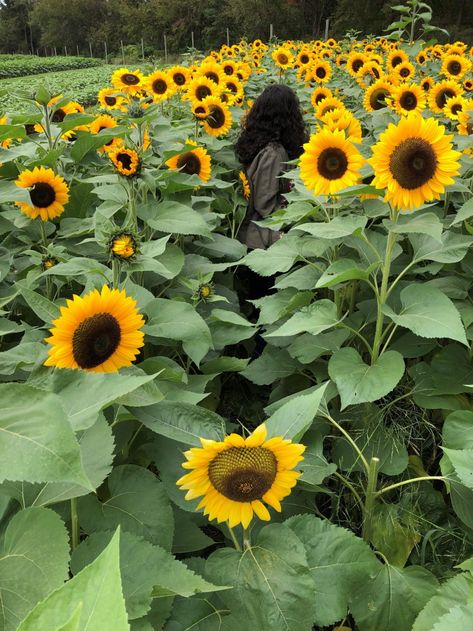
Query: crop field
x=22 y=65
x=180 y=453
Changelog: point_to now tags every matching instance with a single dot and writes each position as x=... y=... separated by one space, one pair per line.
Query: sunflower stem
x=74 y=523
x=116 y=273
x=233 y=538
x=246 y=539
x=370 y=498
x=47 y=125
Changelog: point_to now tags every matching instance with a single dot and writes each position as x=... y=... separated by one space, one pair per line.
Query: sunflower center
x=396 y=61
x=58 y=116
x=243 y=474
x=320 y=97
x=228 y=70
x=95 y=340
x=216 y=119
x=413 y=163
x=130 y=79
x=189 y=163
x=213 y=76
x=442 y=97
x=454 y=67
x=332 y=163
x=304 y=59
x=283 y=59
x=159 y=86
x=125 y=160
x=378 y=99
x=356 y=65
x=404 y=72
x=201 y=92
x=42 y=195
x=408 y=101
x=321 y=73
x=110 y=100
x=179 y=78
x=456 y=108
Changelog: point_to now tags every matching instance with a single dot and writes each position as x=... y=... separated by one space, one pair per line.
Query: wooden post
x=326 y=29
x=192 y=39
x=90 y=48
x=271 y=32
x=77 y=49
x=65 y=50
x=228 y=37
x=123 y=52
x=55 y=52
x=142 y=49
x=106 y=52
x=165 y=49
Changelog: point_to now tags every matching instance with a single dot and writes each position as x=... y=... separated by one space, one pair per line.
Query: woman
x=273 y=133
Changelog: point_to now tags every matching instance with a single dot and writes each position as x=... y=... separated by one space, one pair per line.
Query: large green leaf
x=179 y=321
x=98 y=588
x=34 y=561
x=337 y=228
x=428 y=312
x=137 y=502
x=36 y=439
x=392 y=598
x=339 y=562
x=460 y=617
x=422 y=223
x=170 y=216
x=146 y=571
x=314 y=319
x=273 y=587
x=273 y=364
x=183 y=422
x=452 y=248
x=293 y=418
x=343 y=270
x=358 y=382
x=457 y=591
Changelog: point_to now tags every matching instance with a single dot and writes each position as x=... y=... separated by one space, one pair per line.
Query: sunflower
x=105 y=121
x=4 y=144
x=465 y=123
x=58 y=114
x=405 y=70
x=327 y=105
x=159 y=85
x=427 y=84
x=234 y=91
x=199 y=110
x=128 y=81
x=330 y=162
x=368 y=74
x=454 y=106
x=200 y=88
x=395 y=58
x=205 y=291
x=376 y=95
x=468 y=85
x=344 y=120
x=193 y=162
x=229 y=67
x=421 y=57
x=320 y=72
x=442 y=91
x=48 y=193
x=98 y=332
x=304 y=57
x=235 y=476
x=126 y=161
x=414 y=161
x=110 y=100
x=213 y=71
x=179 y=76
x=407 y=98
x=245 y=185
x=219 y=119
x=283 y=58
x=123 y=246
x=455 y=66
x=355 y=62
x=47 y=262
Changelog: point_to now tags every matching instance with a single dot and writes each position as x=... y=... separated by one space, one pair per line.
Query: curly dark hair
x=274 y=117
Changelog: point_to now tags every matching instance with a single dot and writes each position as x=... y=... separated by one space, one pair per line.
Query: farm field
x=179 y=453
x=23 y=65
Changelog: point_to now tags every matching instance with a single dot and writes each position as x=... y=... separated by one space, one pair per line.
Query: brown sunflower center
x=404 y=72
x=216 y=118
x=179 y=78
x=321 y=72
x=159 y=86
x=356 y=65
x=454 y=67
x=426 y=85
x=125 y=160
x=228 y=70
x=199 y=111
x=213 y=76
x=413 y=162
x=58 y=116
x=442 y=97
x=283 y=59
x=110 y=100
x=95 y=340
x=189 y=163
x=378 y=98
x=320 y=97
x=130 y=79
x=201 y=92
x=304 y=59
x=232 y=87
x=332 y=163
x=457 y=107
x=396 y=61
x=375 y=72
x=408 y=100
x=243 y=474
x=42 y=195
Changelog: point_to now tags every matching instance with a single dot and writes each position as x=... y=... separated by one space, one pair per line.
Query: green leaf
x=145 y=570
x=179 y=321
x=425 y=223
x=465 y=212
x=183 y=422
x=452 y=248
x=314 y=319
x=36 y=440
x=273 y=586
x=196 y=614
x=456 y=618
x=228 y=327
x=281 y=255
x=358 y=382
x=462 y=461
x=338 y=561
x=136 y=502
x=44 y=308
x=170 y=216
x=295 y=417
x=427 y=312
x=455 y=592
x=392 y=598
x=34 y=561
x=273 y=364
x=337 y=228
x=307 y=348
x=343 y=270
x=89 y=142
x=394 y=533
x=98 y=588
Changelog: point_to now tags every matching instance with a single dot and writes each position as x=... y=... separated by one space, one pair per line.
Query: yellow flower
x=235 y=476
x=219 y=119
x=126 y=161
x=193 y=162
x=48 y=193
x=407 y=98
x=414 y=162
x=330 y=162
x=319 y=94
x=110 y=100
x=123 y=246
x=377 y=95
x=105 y=121
x=344 y=120
x=4 y=143
x=455 y=66
x=128 y=81
x=98 y=332
x=454 y=106
x=442 y=91
x=245 y=185
x=283 y=58
x=200 y=88
x=160 y=86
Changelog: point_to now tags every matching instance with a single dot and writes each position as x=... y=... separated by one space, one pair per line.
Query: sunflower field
x=177 y=457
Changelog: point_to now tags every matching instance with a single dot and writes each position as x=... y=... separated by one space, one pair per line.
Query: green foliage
x=21 y=65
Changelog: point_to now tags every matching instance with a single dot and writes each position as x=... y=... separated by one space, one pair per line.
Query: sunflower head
x=245 y=185
x=47 y=262
x=219 y=119
x=408 y=98
x=377 y=95
x=205 y=291
x=442 y=91
x=48 y=193
x=99 y=332
x=160 y=86
x=128 y=81
x=110 y=100
x=105 y=121
x=283 y=58
x=454 y=106
x=126 y=161
x=235 y=476
x=194 y=162
x=123 y=246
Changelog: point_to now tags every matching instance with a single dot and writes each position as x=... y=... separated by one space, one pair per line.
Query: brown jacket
x=265 y=196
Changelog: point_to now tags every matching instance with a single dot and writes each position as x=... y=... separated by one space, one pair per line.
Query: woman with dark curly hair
x=273 y=132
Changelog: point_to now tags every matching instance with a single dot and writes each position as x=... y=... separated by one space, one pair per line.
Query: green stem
x=370 y=498
x=116 y=273
x=246 y=539
x=358 y=334
x=43 y=234
x=350 y=486
x=74 y=523
x=233 y=538
x=47 y=125
x=423 y=478
x=383 y=293
x=350 y=440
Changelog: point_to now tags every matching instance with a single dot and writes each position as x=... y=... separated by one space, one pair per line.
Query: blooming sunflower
x=193 y=162
x=245 y=185
x=304 y=57
x=110 y=100
x=126 y=161
x=408 y=98
x=344 y=120
x=200 y=88
x=327 y=105
x=320 y=72
x=468 y=85
x=128 y=81
x=229 y=67
x=283 y=58
x=48 y=193
x=219 y=119
x=455 y=66
x=395 y=58
x=414 y=161
x=405 y=70
x=442 y=91
x=330 y=162
x=199 y=110
x=213 y=71
x=123 y=246
x=454 y=106
x=427 y=83
x=235 y=476
x=159 y=85
x=98 y=332
x=179 y=76
x=355 y=62
x=105 y=121
x=376 y=95
x=465 y=123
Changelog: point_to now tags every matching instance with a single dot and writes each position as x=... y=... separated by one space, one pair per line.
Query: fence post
x=77 y=49
x=123 y=52
x=326 y=29
x=271 y=32
x=192 y=39
x=165 y=48
x=106 y=52
x=55 y=52
x=65 y=50
x=228 y=37
x=90 y=48
x=142 y=49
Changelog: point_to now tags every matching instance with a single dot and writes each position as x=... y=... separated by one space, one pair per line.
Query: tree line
x=42 y=25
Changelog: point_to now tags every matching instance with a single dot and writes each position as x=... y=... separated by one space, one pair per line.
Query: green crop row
x=22 y=65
